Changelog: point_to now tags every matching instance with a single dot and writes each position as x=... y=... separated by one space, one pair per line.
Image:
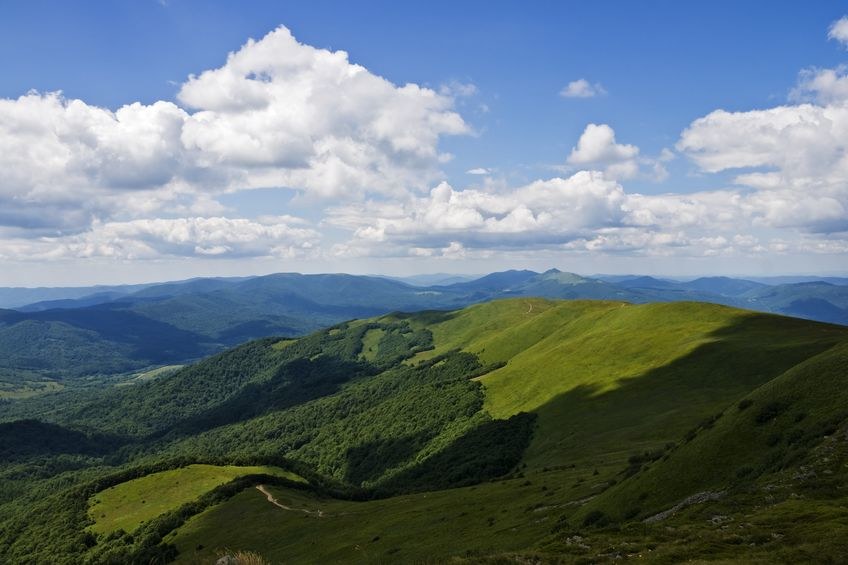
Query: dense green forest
x=506 y=431
x=356 y=427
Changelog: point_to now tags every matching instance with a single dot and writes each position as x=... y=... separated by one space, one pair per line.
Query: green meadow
x=125 y=506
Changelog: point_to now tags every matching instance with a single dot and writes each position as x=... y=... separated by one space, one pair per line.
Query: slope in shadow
x=487 y=451
x=369 y=461
x=589 y=425
x=25 y=439
x=427 y=317
x=293 y=383
x=150 y=340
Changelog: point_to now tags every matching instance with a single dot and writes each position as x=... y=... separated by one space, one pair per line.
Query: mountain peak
x=563 y=277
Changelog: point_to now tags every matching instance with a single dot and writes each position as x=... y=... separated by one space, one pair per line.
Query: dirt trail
x=530 y=307
x=272 y=500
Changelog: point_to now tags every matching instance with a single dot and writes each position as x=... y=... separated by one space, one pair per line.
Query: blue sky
x=497 y=68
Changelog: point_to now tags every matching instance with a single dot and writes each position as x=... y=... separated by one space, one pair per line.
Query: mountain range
x=115 y=330
x=520 y=430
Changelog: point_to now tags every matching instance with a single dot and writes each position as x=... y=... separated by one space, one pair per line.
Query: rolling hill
x=17 y=297
x=507 y=431
x=120 y=331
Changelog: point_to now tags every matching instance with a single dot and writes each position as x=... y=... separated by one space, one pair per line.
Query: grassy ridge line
x=616 y=409
x=63 y=515
x=600 y=345
x=415 y=528
x=473 y=328
x=145 y=545
x=608 y=379
x=484 y=530
x=126 y=505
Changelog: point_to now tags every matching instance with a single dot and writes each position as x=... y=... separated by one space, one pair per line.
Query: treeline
x=355 y=428
x=52 y=527
x=369 y=429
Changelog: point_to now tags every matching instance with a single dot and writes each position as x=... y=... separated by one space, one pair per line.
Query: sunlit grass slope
x=127 y=505
x=490 y=518
x=608 y=381
x=609 y=378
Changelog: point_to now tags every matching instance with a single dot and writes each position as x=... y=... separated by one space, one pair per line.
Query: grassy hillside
x=126 y=505
x=122 y=329
x=490 y=518
x=609 y=383
x=517 y=427
x=617 y=374
x=766 y=431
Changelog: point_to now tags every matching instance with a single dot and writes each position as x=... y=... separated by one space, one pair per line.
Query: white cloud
x=181 y=237
x=597 y=145
x=543 y=212
x=839 y=30
x=586 y=212
x=71 y=161
x=582 y=88
x=825 y=86
x=455 y=250
x=795 y=157
x=458 y=89
x=598 y=149
x=143 y=181
x=277 y=113
x=282 y=113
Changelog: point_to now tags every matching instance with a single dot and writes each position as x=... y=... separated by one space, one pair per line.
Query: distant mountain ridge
x=128 y=328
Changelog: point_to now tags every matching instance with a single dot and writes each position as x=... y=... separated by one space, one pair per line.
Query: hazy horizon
x=671 y=276
x=170 y=140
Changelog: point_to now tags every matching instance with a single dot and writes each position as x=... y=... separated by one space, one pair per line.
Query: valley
x=524 y=428
x=116 y=332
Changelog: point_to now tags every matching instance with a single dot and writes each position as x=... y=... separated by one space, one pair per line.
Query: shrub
x=744 y=471
x=771 y=411
x=795 y=436
x=595 y=518
x=631 y=513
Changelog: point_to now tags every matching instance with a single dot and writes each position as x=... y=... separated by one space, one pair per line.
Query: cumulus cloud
x=143 y=181
x=586 y=212
x=824 y=86
x=839 y=30
x=597 y=145
x=73 y=161
x=582 y=88
x=545 y=212
x=795 y=157
x=277 y=113
x=281 y=113
x=598 y=149
x=180 y=237
x=789 y=192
